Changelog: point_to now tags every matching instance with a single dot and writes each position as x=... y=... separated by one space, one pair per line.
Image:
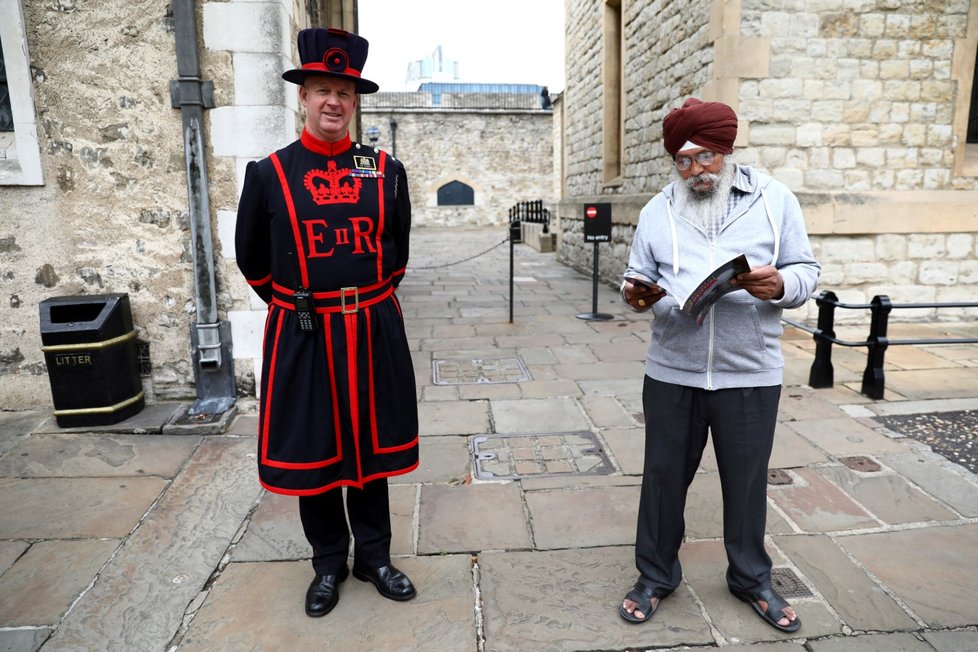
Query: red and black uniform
x=338 y=405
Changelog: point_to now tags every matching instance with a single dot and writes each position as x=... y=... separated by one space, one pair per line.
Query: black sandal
x=642 y=596
x=775 y=608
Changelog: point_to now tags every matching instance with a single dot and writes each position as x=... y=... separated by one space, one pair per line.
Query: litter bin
x=89 y=345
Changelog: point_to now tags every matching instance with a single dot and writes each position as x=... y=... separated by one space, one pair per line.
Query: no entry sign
x=597 y=222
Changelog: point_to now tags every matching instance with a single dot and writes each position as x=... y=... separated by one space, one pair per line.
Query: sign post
x=597 y=228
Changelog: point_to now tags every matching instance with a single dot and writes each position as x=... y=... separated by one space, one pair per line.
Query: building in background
x=861 y=107
x=433 y=68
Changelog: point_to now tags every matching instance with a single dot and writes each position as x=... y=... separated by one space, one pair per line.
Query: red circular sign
x=591 y=211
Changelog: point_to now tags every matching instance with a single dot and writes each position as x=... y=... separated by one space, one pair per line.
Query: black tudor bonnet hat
x=332 y=53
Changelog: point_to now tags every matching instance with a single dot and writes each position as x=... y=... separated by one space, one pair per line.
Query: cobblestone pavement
x=518 y=527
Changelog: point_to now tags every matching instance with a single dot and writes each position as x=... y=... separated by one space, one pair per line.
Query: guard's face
x=329 y=103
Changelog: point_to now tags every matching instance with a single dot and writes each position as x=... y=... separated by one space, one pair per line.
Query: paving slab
x=860 y=602
x=274 y=532
x=605 y=370
x=930 y=570
x=583 y=517
x=790 y=450
x=443 y=459
x=704 y=567
x=74 y=507
x=620 y=387
x=139 y=599
x=259 y=607
x=24 y=640
x=93 y=455
x=469 y=518
x=518 y=590
x=149 y=420
x=9 y=552
x=844 y=437
x=549 y=388
x=456 y=418
x=15 y=426
x=872 y=643
x=805 y=404
x=817 y=505
x=943 y=480
x=937 y=383
x=952 y=641
x=627 y=448
x=887 y=496
x=606 y=412
x=538 y=416
x=38 y=589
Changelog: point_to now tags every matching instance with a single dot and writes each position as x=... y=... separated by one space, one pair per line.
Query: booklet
x=713 y=287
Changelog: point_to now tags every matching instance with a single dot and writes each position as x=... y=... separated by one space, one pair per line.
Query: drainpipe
x=210 y=338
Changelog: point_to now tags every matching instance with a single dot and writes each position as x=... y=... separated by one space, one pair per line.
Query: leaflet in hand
x=713 y=287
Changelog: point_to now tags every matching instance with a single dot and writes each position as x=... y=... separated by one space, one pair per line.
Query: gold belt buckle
x=356 y=300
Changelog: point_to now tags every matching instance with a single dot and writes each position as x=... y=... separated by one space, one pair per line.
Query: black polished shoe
x=324 y=593
x=390 y=582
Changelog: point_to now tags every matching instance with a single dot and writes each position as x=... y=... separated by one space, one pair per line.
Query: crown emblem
x=328 y=186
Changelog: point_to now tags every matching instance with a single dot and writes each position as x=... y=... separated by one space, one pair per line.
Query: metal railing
x=822 y=373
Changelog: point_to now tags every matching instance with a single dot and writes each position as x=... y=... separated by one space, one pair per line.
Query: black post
x=514 y=237
x=594 y=315
x=822 y=374
x=873 y=380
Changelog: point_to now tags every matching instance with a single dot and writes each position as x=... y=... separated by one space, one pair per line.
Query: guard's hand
x=640 y=295
x=765 y=282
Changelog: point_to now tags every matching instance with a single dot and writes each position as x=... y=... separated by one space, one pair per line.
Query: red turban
x=708 y=124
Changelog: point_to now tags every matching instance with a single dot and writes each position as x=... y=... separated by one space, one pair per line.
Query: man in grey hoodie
x=720 y=374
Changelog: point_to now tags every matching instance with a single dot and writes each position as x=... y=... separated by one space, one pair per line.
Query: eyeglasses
x=704 y=158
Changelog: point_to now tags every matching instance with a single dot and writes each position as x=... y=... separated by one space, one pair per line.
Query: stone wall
x=110 y=213
x=505 y=156
x=858 y=105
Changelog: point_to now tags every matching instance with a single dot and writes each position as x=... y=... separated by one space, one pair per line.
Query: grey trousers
x=677 y=421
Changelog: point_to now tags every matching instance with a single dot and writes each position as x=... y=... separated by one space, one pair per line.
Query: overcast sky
x=482 y=36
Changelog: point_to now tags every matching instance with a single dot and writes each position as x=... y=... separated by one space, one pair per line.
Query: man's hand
x=762 y=282
x=641 y=295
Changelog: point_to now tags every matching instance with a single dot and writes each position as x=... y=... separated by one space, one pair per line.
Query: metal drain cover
x=515 y=457
x=785 y=582
x=860 y=463
x=778 y=476
x=479 y=371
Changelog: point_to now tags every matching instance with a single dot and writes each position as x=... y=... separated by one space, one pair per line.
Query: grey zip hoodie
x=738 y=344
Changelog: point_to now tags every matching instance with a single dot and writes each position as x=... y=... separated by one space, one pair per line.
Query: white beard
x=707 y=209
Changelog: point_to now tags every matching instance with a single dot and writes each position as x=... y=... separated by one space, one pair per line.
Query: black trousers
x=325 y=525
x=677 y=420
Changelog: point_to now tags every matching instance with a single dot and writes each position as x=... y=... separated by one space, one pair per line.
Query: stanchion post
x=822 y=374
x=873 y=381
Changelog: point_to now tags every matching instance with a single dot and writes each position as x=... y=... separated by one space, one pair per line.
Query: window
x=6 y=116
x=456 y=193
x=611 y=78
x=973 y=114
x=20 y=156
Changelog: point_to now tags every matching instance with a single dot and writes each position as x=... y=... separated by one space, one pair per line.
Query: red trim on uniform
x=381 y=165
x=319 y=66
x=398 y=272
x=324 y=146
x=350 y=326
x=301 y=254
x=259 y=282
x=269 y=387
x=338 y=483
